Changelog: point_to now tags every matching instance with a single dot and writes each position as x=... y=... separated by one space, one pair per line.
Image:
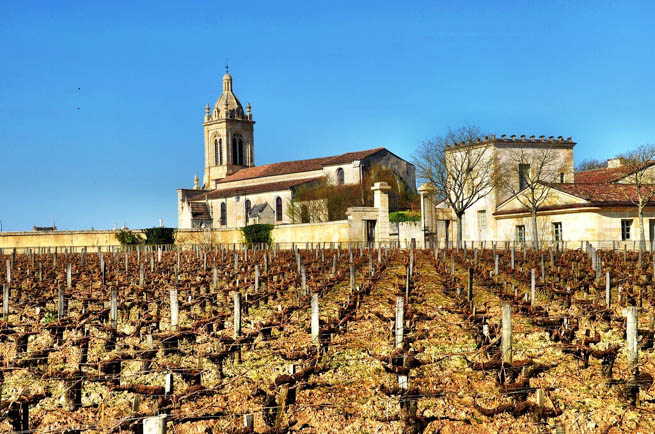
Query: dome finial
x=195 y=182
x=227 y=79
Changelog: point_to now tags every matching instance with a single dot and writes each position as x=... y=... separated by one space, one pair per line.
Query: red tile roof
x=258 y=188
x=603 y=193
x=596 y=195
x=287 y=167
x=598 y=176
x=199 y=210
x=190 y=194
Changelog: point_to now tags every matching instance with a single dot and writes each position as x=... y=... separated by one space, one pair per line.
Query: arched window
x=340 y=177
x=237 y=149
x=218 y=152
x=223 y=214
x=278 y=209
x=304 y=214
x=247 y=205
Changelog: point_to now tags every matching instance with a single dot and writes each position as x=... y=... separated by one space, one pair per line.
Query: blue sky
x=322 y=77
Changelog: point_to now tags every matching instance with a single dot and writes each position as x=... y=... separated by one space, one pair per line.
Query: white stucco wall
x=591 y=224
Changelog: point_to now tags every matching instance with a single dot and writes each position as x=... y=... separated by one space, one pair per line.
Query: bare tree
x=526 y=174
x=638 y=164
x=590 y=164
x=459 y=169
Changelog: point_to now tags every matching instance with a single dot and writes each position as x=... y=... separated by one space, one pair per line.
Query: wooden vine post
x=315 y=323
x=174 y=310
x=399 y=324
x=506 y=339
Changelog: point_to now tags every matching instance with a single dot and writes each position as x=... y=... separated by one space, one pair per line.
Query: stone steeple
x=229 y=136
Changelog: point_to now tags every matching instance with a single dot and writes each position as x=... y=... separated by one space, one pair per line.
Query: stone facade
x=478 y=223
x=593 y=205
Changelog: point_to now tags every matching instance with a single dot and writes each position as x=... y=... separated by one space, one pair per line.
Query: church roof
x=287 y=167
x=258 y=188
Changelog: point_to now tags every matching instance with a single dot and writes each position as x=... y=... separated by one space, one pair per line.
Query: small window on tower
x=237 y=149
x=218 y=151
x=561 y=178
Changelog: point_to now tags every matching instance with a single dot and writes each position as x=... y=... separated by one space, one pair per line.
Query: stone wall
x=329 y=232
x=408 y=231
x=58 y=239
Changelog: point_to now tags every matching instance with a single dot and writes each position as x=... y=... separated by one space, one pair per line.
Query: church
x=235 y=192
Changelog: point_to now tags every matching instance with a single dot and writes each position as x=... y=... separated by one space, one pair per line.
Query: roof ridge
x=597 y=168
x=259 y=171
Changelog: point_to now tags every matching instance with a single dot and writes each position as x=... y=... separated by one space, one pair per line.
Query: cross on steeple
x=226 y=66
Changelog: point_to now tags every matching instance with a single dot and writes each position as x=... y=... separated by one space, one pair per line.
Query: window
x=218 y=151
x=626 y=224
x=247 y=206
x=278 y=209
x=482 y=225
x=304 y=214
x=557 y=231
x=561 y=177
x=524 y=175
x=340 y=176
x=237 y=149
x=223 y=214
x=520 y=233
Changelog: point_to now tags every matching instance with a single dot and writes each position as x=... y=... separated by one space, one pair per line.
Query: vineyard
x=327 y=340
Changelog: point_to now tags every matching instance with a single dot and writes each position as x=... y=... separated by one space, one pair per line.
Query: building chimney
x=614 y=163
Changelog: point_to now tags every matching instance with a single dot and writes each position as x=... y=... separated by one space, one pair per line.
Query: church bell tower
x=229 y=138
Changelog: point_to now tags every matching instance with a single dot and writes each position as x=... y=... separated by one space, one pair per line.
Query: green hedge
x=257 y=234
x=128 y=238
x=404 y=216
x=160 y=235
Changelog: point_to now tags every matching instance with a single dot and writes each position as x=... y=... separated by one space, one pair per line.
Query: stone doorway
x=370 y=231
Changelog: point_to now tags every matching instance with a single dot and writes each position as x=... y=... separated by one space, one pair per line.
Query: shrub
x=324 y=201
x=160 y=235
x=49 y=317
x=404 y=216
x=257 y=234
x=127 y=238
